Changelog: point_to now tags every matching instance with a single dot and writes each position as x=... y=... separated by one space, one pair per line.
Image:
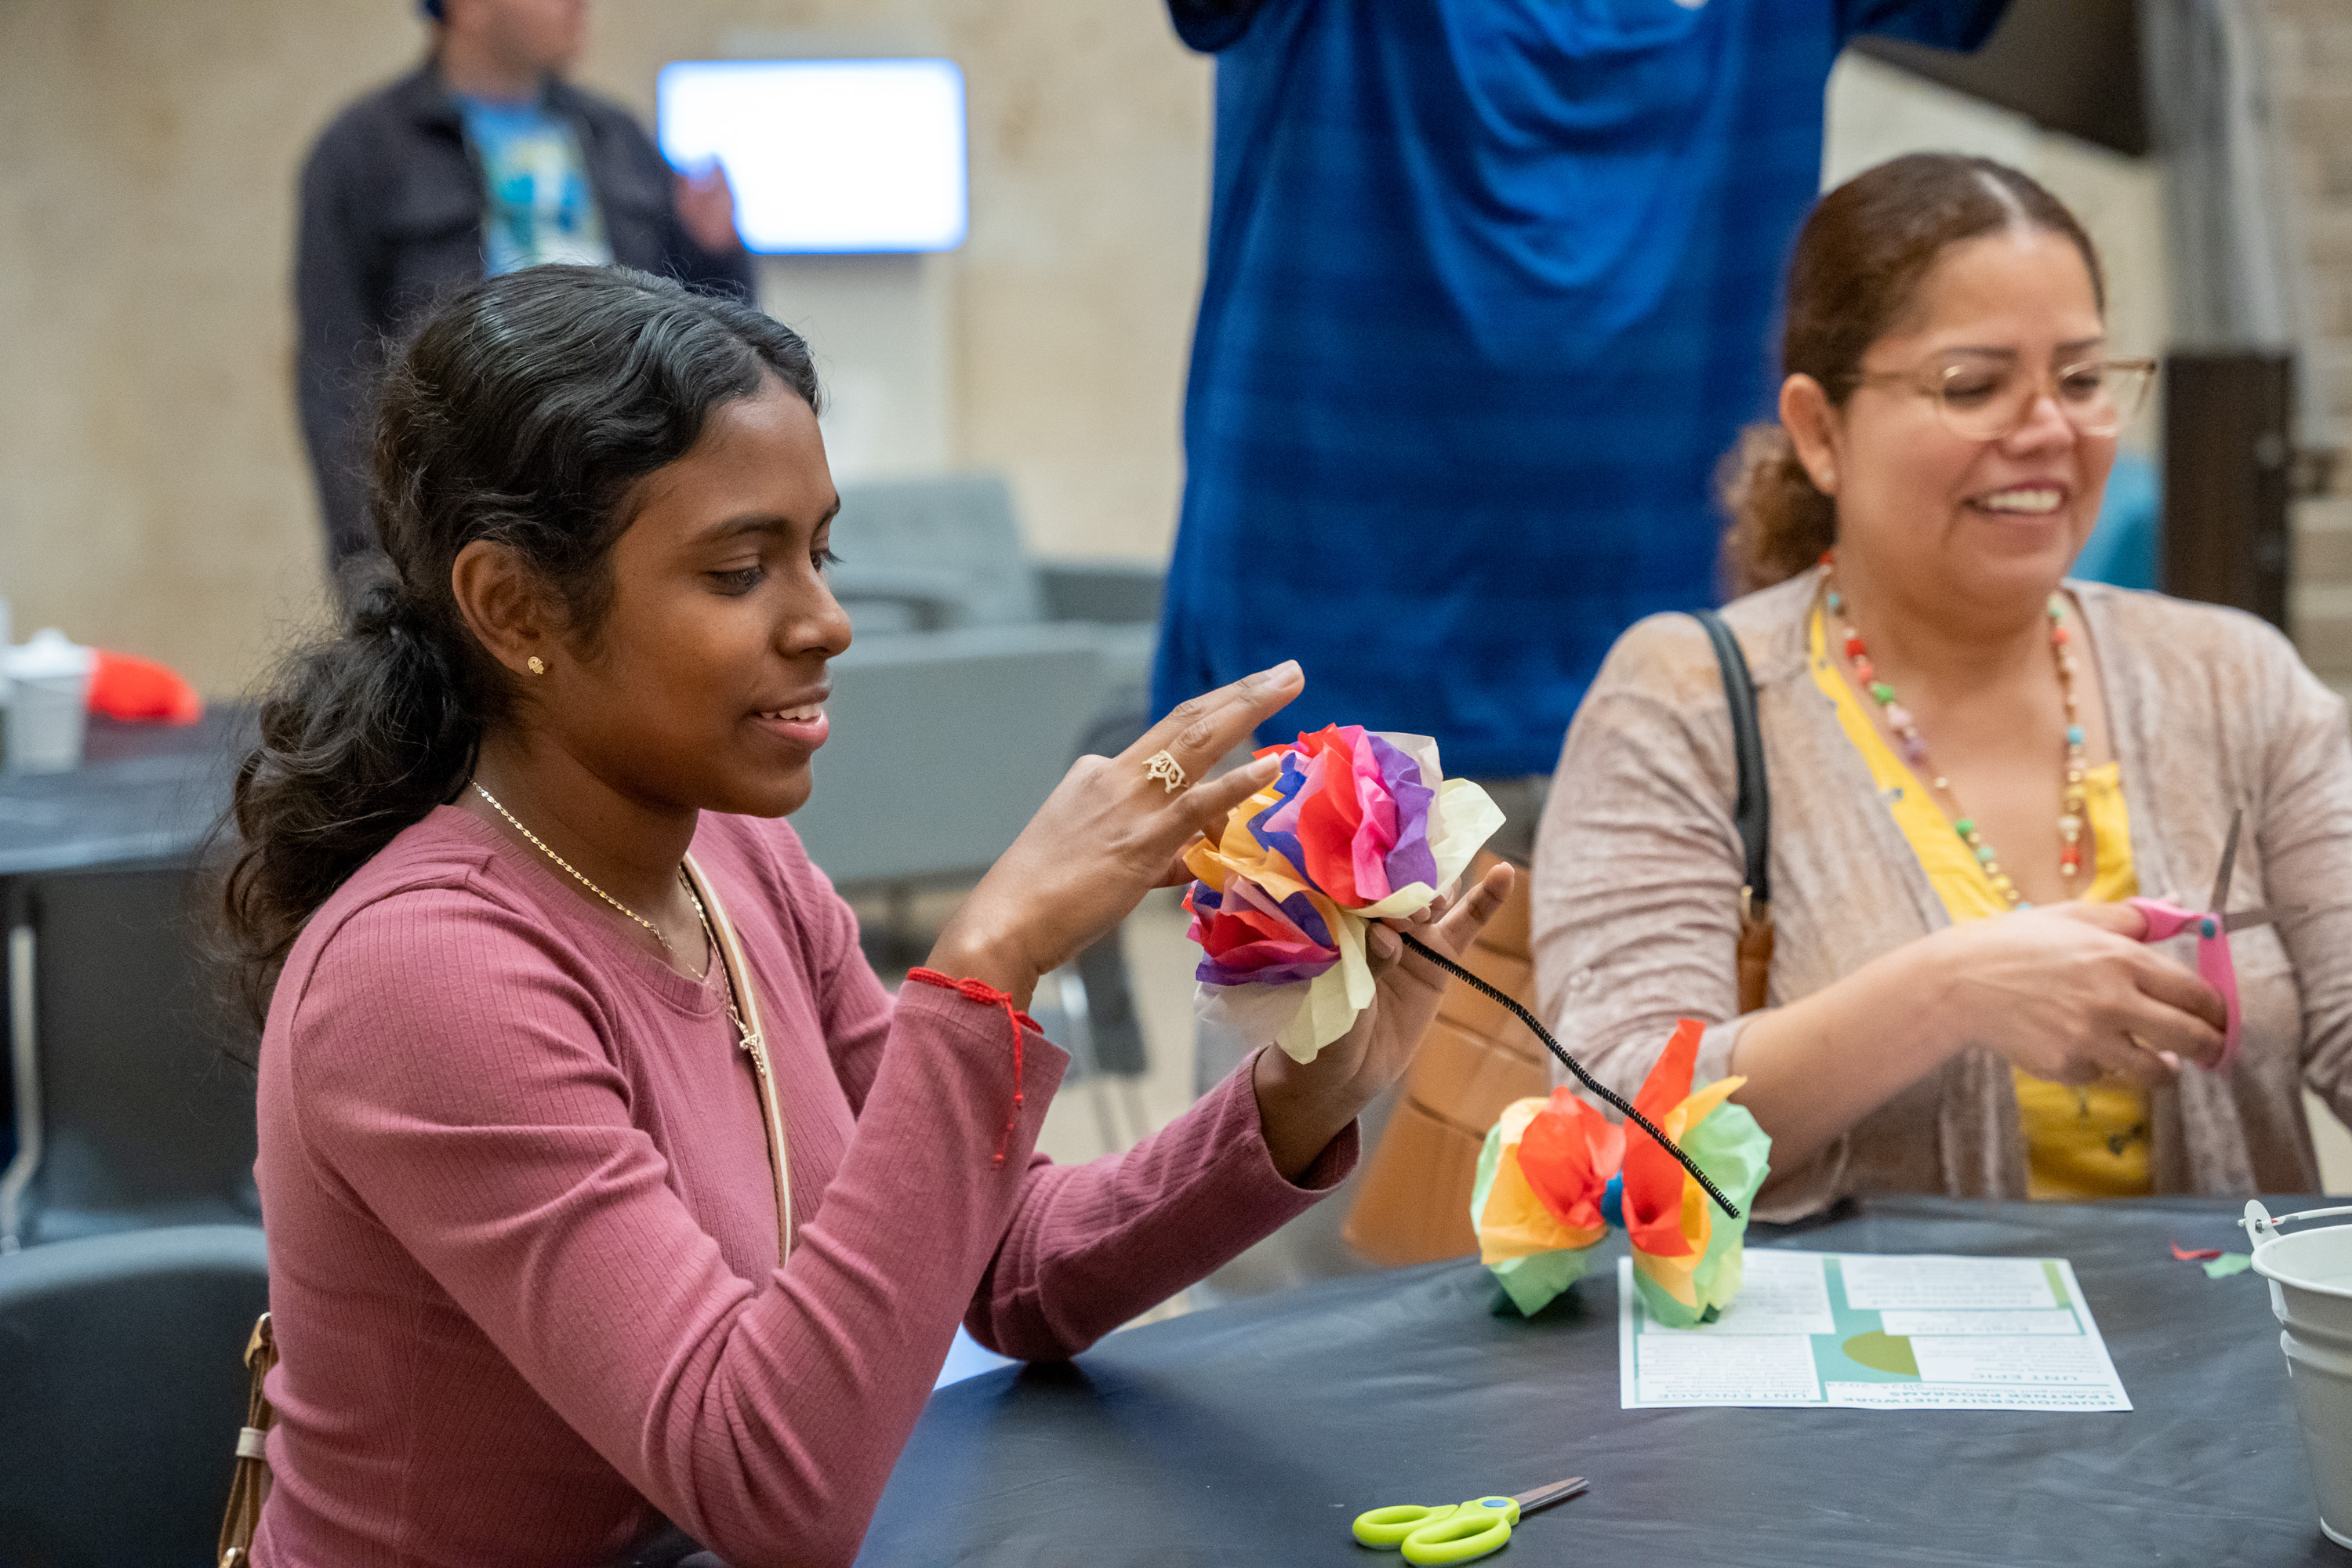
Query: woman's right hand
x=1108 y=834
x=2069 y=993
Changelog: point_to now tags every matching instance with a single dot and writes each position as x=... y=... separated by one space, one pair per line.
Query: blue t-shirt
x=2125 y=545
x=538 y=205
x=1490 y=290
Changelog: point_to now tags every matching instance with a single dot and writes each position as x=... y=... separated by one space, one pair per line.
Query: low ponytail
x=362 y=734
x=1781 y=522
x=521 y=414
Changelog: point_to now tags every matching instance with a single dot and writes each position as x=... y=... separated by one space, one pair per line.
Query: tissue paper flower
x=1543 y=1188
x=1685 y=1256
x=1357 y=826
x=1556 y=1172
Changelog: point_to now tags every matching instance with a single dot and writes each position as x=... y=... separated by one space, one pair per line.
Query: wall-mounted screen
x=826 y=155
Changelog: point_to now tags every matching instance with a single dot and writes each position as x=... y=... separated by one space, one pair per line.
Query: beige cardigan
x=1637 y=877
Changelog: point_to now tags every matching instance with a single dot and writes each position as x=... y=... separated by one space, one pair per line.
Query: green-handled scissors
x=1458 y=1532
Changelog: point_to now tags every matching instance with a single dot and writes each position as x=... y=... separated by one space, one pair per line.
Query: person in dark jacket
x=481 y=161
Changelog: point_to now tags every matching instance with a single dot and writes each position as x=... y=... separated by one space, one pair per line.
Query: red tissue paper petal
x=1654 y=1178
x=2198 y=1256
x=124 y=686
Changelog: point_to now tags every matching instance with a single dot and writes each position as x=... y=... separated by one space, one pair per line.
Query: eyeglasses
x=1987 y=397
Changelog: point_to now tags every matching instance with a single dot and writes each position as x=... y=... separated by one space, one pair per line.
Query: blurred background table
x=144 y=791
x=1254 y=1434
x=121 y=1110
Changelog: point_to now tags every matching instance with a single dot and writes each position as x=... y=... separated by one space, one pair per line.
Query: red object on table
x=124 y=686
x=2198 y=1256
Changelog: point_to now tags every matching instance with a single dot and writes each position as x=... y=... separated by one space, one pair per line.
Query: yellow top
x=2089 y=1143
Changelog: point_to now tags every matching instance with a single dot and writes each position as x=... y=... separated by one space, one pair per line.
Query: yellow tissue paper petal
x=1335 y=996
x=1695 y=1109
x=1516 y=1223
x=1517 y=1114
x=1329 y=1011
x=1470 y=818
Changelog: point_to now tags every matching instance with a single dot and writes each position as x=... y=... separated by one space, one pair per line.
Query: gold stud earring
x=538 y=665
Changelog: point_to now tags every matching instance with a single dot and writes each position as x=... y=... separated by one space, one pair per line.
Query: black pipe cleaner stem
x=1586 y=1079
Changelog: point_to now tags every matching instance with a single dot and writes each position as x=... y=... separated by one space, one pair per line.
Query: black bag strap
x=1751 y=810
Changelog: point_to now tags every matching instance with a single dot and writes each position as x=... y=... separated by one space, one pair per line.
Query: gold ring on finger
x=1165 y=769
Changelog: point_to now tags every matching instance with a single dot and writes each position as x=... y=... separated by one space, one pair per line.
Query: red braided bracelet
x=989 y=995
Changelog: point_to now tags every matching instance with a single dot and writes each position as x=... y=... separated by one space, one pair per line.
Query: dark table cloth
x=1254 y=1434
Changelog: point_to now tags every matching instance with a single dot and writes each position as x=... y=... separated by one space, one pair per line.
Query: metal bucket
x=2311 y=1291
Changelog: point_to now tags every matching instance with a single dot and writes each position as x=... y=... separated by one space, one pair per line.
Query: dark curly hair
x=521 y=411
x=1855 y=271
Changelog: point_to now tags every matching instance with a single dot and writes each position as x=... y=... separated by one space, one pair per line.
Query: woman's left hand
x=1304 y=1106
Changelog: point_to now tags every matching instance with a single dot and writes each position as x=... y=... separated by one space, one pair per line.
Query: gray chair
x=120 y=1359
x=947 y=549
x=946 y=553
x=130 y=1114
x=944 y=744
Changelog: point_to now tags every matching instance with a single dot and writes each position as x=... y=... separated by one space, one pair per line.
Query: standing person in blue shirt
x=1487 y=300
x=481 y=161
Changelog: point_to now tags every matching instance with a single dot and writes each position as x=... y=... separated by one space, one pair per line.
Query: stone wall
x=2310 y=63
x=153 y=493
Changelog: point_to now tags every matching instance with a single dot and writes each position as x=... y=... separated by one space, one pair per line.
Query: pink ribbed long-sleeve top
x=523 y=1264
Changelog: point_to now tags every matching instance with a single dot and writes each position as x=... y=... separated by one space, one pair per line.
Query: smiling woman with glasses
x=1971 y=761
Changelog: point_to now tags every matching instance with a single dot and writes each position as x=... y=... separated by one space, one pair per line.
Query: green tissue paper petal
x=1490 y=1159
x=1530 y=1282
x=1736 y=1154
x=1533 y=1282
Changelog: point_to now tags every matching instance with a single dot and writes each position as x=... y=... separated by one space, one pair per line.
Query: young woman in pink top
x=528 y=1271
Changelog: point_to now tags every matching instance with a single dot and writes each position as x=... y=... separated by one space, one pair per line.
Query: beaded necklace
x=2073 y=822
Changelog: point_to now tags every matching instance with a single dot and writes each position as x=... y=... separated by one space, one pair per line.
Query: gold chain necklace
x=710 y=933
x=574 y=872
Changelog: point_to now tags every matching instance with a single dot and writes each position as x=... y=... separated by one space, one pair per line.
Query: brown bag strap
x=1755 y=953
x=755 y=1045
x=250 y=1487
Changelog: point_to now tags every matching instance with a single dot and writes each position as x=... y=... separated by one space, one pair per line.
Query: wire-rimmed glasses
x=1987 y=397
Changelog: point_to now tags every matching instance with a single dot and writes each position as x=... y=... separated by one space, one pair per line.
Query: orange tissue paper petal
x=1569 y=1152
x=124 y=686
x=1669 y=1077
x=1654 y=1205
x=1674 y=1264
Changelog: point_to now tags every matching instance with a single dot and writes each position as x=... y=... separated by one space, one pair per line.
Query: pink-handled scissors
x=2212 y=926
